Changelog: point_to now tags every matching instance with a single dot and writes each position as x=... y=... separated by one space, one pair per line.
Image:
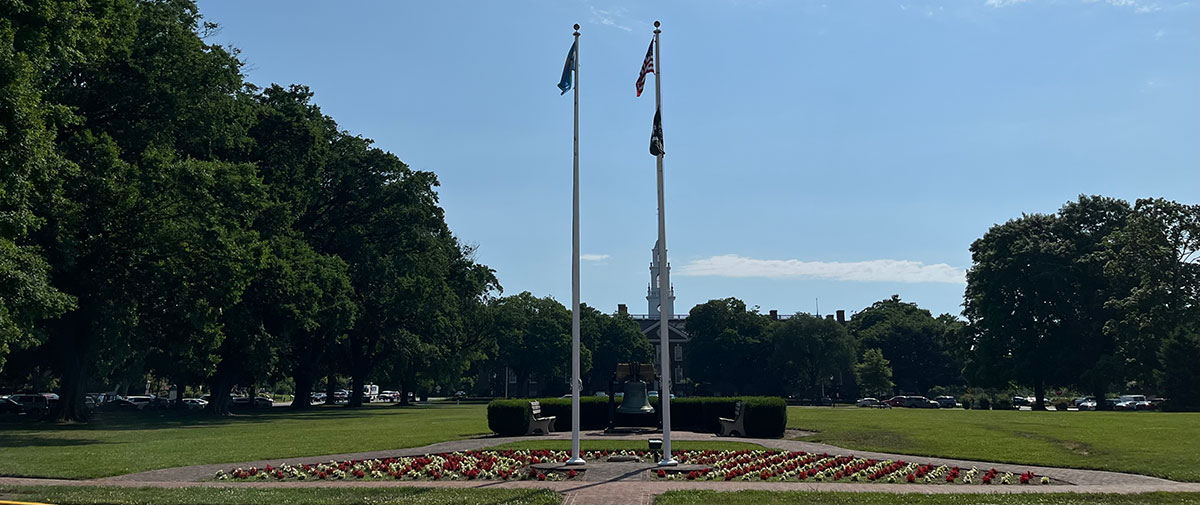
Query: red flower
x=572 y=473
x=662 y=473
x=541 y=476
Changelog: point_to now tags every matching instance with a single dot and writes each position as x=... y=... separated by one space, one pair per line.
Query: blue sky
x=840 y=151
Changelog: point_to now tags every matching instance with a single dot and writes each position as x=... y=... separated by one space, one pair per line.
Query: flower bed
x=802 y=466
x=469 y=465
x=761 y=465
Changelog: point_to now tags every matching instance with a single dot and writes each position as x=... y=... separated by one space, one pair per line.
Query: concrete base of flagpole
x=668 y=462
x=575 y=461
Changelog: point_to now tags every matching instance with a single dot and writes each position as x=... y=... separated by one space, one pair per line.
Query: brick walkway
x=627 y=483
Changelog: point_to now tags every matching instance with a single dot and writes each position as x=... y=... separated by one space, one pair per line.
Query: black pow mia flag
x=656 y=135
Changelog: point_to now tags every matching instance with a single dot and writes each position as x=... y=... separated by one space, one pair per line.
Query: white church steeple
x=653 y=297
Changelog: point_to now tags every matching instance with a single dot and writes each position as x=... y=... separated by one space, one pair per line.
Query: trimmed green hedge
x=766 y=417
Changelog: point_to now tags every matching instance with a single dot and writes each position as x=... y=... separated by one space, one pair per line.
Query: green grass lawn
x=627 y=445
x=125 y=442
x=833 y=498
x=1151 y=443
x=94 y=495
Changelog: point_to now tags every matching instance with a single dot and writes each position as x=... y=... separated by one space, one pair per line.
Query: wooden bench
x=539 y=425
x=735 y=427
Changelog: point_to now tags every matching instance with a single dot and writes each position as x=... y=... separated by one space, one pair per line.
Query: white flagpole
x=575 y=382
x=665 y=307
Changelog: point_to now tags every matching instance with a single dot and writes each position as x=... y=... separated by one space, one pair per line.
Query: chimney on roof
x=829 y=317
x=774 y=314
x=622 y=310
x=841 y=316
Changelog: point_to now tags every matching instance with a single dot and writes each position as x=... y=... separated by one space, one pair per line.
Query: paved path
x=629 y=483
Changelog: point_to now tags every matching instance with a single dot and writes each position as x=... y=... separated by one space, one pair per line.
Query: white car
x=1132 y=402
x=866 y=402
x=195 y=403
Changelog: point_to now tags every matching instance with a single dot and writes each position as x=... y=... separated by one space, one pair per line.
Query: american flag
x=647 y=67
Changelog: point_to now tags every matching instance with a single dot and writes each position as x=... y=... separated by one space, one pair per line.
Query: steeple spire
x=653 y=292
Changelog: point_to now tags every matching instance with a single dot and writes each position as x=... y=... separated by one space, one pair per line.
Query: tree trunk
x=330 y=387
x=1039 y=391
x=356 y=390
x=75 y=358
x=179 y=406
x=1099 y=392
x=302 y=397
x=219 y=401
x=403 y=395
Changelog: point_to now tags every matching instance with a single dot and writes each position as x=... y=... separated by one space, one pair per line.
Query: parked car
x=341 y=396
x=1078 y=401
x=1021 y=401
x=388 y=396
x=919 y=402
x=32 y=404
x=895 y=401
x=262 y=401
x=1087 y=404
x=136 y=402
x=10 y=406
x=1132 y=402
x=946 y=401
x=866 y=402
x=195 y=403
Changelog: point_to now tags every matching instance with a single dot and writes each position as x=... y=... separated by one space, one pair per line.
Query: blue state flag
x=568 y=72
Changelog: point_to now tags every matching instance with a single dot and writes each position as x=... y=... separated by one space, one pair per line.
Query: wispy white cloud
x=732 y=265
x=614 y=18
x=593 y=257
x=1003 y=3
x=1138 y=6
x=1160 y=34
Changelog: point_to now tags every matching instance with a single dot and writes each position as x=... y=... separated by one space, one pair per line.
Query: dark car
x=32 y=404
x=895 y=401
x=946 y=402
x=919 y=402
x=260 y=401
x=10 y=406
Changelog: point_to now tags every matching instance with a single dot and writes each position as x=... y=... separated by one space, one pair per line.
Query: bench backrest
x=535 y=408
x=737 y=409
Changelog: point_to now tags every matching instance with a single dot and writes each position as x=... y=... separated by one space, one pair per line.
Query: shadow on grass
x=7 y=440
x=111 y=420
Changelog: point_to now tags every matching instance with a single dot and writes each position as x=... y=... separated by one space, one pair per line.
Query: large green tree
x=533 y=337
x=1017 y=300
x=611 y=339
x=809 y=352
x=1154 y=265
x=917 y=344
x=874 y=374
x=728 y=343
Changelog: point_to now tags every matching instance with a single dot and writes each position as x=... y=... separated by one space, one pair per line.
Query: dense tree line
x=160 y=215
x=1101 y=297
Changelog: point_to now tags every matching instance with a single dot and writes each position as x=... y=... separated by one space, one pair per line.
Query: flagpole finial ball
x=576 y=26
x=657 y=24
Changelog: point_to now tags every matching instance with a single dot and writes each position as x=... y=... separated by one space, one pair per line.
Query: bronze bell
x=635 y=400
